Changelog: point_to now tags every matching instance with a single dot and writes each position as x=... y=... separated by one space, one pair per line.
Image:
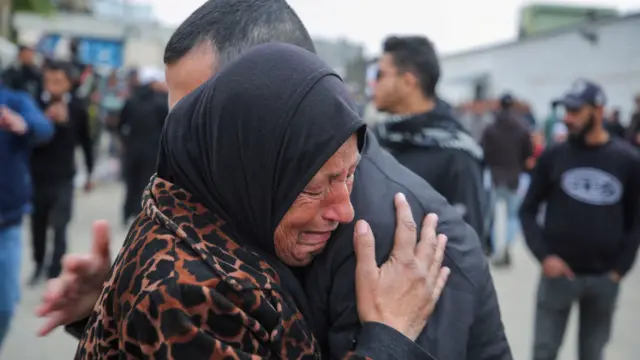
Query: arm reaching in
x=552 y=265
x=70 y=297
x=536 y=195
x=27 y=120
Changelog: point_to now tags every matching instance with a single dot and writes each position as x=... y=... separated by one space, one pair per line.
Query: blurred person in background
x=88 y=83
x=559 y=133
x=22 y=125
x=591 y=227
x=507 y=146
x=77 y=66
x=53 y=167
x=140 y=126
x=372 y=116
x=468 y=318
x=633 y=131
x=538 y=146
x=550 y=122
x=424 y=135
x=370 y=113
x=613 y=125
x=133 y=81
x=528 y=118
x=111 y=99
x=24 y=74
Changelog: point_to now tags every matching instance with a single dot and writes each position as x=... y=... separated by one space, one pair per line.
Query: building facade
x=540 y=68
x=112 y=33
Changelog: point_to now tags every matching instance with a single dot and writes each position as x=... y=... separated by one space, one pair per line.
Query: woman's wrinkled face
x=318 y=210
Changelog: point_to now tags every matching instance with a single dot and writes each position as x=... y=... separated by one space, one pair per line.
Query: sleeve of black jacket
x=536 y=194
x=466 y=183
x=380 y=342
x=487 y=339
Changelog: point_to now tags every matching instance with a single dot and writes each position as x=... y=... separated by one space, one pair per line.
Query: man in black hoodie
x=424 y=135
x=53 y=166
x=140 y=127
x=591 y=185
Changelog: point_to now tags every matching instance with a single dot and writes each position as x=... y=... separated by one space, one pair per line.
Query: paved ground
x=515 y=286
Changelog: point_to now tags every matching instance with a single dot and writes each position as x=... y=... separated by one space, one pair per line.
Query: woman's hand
x=403 y=292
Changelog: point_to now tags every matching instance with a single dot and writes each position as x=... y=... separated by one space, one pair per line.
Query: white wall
x=144 y=52
x=8 y=52
x=541 y=69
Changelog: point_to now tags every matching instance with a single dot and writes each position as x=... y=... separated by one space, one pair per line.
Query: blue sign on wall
x=47 y=44
x=101 y=52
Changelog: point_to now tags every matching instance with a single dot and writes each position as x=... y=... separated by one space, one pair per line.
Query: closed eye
x=312 y=193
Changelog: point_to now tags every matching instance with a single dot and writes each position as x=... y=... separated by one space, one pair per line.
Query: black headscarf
x=248 y=141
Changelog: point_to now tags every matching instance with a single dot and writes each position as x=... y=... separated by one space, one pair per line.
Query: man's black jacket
x=54 y=162
x=466 y=323
x=436 y=146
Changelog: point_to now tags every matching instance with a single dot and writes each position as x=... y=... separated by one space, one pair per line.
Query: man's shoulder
x=464 y=252
x=380 y=172
x=625 y=149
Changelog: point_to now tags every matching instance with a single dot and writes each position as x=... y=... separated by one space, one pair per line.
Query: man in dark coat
x=424 y=135
x=53 y=167
x=140 y=127
x=507 y=146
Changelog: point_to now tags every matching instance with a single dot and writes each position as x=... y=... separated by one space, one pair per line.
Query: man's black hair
x=415 y=54
x=57 y=65
x=506 y=101
x=234 y=26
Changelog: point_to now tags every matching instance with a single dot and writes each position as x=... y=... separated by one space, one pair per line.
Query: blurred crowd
x=477 y=119
x=115 y=117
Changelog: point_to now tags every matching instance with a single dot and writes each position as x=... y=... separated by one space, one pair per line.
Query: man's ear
x=410 y=80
